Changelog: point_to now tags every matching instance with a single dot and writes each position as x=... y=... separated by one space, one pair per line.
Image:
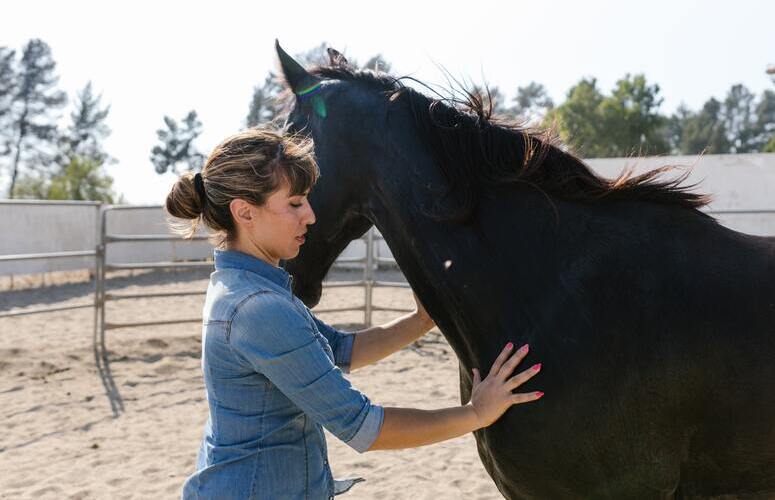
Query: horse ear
x=298 y=78
x=336 y=58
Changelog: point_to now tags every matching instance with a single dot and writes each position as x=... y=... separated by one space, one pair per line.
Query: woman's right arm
x=490 y=398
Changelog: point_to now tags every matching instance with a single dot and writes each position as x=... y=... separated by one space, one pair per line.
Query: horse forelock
x=474 y=148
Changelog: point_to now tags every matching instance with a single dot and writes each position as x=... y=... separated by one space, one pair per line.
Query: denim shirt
x=273 y=377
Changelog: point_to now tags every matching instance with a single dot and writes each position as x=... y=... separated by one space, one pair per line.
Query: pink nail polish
x=509 y=346
x=539 y=394
x=536 y=366
x=524 y=348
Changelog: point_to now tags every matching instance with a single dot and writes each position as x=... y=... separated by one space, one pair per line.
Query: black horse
x=655 y=324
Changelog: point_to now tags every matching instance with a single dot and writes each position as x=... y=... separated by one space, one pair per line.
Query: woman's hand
x=422 y=313
x=491 y=397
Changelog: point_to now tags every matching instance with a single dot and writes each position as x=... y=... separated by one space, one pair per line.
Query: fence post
x=101 y=276
x=368 y=276
x=98 y=256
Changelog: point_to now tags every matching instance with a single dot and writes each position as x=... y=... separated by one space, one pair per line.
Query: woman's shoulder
x=232 y=291
x=271 y=321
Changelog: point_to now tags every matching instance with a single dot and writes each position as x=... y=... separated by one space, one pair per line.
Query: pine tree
x=7 y=83
x=739 y=115
x=87 y=129
x=705 y=131
x=265 y=105
x=177 y=145
x=32 y=120
x=532 y=103
x=7 y=89
x=764 y=136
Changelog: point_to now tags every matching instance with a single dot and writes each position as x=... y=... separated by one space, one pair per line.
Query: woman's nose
x=310 y=216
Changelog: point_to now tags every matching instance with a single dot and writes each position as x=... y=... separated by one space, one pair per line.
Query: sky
x=151 y=59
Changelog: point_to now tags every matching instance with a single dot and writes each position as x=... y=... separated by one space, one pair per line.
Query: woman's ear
x=241 y=212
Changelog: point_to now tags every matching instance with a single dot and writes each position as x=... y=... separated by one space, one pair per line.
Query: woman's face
x=276 y=229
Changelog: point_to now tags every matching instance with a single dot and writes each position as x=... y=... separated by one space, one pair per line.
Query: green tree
x=265 y=105
x=532 y=103
x=705 y=131
x=492 y=96
x=7 y=90
x=739 y=115
x=625 y=122
x=674 y=128
x=177 y=145
x=739 y=124
x=631 y=119
x=578 y=119
x=31 y=121
x=87 y=129
x=764 y=136
x=82 y=178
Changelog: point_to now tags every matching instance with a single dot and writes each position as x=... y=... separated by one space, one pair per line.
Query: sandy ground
x=64 y=437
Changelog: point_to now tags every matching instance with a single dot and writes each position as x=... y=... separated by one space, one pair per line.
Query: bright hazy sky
x=149 y=59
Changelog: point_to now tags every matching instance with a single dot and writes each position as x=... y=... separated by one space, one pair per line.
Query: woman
x=273 y=372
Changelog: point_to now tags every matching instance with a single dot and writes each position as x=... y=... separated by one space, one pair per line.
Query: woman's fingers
x=522 y=377
x=525 y=397
x=508 y=366
x=502 y=357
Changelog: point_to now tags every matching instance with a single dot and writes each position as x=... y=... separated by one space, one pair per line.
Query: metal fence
x=61 y=255
x=102 y=296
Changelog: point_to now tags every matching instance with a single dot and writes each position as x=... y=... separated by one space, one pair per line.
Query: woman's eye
x=295 y=205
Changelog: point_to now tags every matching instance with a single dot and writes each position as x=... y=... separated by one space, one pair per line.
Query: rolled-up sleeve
x=278 y=341
x=341 y=343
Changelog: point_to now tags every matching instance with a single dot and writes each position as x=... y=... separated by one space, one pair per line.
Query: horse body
x=656 y=363
x=654 y=324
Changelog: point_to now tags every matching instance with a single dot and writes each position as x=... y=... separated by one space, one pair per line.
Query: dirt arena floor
x=76 y=429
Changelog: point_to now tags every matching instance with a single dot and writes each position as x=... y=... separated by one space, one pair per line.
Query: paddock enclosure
x=121 y=416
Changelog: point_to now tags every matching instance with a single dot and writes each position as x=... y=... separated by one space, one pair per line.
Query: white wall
x=744 y=181
x=736 y=182
x=42 y=227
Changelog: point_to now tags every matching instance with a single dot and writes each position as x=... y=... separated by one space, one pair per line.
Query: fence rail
x=741 y=211
x=102 y=296
x=68 y=254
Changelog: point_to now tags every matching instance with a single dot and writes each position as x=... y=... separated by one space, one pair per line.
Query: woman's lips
x=301 y=238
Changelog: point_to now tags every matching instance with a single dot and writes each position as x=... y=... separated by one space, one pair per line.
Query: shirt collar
x=233 y=259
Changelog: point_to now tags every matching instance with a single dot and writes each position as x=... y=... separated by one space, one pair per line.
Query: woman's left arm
x=372 y=344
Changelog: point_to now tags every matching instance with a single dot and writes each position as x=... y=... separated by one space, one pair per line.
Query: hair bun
x=184 y=201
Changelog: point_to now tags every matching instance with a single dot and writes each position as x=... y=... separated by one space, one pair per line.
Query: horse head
x=325 y=110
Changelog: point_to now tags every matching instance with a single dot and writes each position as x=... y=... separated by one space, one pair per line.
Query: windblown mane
x=473 y=149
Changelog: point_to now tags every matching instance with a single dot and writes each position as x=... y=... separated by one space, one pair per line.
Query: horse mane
x=474 y=149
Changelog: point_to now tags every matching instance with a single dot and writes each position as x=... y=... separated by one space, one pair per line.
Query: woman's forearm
x=377 y=342
x=409 y=428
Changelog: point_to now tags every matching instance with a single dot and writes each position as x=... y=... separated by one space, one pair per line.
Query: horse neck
x=444 y=262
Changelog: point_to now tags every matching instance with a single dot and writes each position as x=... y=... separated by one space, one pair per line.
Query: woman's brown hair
x=249 y=165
